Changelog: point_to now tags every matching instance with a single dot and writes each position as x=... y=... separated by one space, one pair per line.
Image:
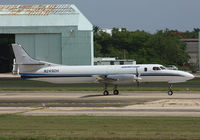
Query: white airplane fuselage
x=121 y=74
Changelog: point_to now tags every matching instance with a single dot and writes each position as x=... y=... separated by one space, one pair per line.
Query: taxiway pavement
x=93 y=103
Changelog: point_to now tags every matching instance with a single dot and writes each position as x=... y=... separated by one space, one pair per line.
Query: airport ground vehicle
x=172 y=67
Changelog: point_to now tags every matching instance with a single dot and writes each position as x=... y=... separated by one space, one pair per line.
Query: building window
x=112 y=63
x=121 y=62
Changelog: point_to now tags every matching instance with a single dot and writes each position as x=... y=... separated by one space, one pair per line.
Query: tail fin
x=25 y=63
x=22 y=56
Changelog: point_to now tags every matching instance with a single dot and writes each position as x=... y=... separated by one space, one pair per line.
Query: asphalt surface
x=93 y=103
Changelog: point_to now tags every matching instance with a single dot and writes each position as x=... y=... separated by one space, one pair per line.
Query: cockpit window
x=163 y=68
x=156 y=68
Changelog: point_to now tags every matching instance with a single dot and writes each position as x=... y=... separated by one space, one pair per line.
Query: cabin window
x=163 y=68
x=156 y=68
x=145 y=69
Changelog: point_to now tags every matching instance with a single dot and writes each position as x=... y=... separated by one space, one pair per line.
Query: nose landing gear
x=170 y=92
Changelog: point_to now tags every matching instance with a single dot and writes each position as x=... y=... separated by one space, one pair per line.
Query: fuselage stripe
x=33 y=75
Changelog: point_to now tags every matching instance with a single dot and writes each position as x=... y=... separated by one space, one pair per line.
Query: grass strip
x=96 y=128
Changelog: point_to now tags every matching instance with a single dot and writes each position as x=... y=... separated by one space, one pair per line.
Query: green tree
x=163 y=47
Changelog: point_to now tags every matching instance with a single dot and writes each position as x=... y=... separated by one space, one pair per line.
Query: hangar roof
x=43 y=15
x=42 y=10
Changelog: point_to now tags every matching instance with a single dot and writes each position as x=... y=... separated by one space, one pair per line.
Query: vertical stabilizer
x=22 y=57
x=24 y=63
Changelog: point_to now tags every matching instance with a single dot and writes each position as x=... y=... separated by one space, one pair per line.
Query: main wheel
x=105 y=93
x=116 y=92
x=170 y=92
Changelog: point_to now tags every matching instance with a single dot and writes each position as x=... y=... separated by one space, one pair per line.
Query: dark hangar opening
x=6 y=52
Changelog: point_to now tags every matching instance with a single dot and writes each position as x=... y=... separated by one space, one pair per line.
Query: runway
x=93 y=103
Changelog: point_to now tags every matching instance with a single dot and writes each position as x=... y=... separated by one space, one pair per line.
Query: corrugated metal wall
x=77 y=48
x=61 y=45
x=46 y=47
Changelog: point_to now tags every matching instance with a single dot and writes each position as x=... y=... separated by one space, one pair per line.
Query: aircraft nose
x=189 y=76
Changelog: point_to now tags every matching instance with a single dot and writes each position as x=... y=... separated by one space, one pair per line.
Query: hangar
x=56 y=33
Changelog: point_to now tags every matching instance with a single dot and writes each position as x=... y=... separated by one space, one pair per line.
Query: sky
x=147 y=15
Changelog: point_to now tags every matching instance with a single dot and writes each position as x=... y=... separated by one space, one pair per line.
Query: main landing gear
x=106 y=92
x=170 y=92
x=115 y=91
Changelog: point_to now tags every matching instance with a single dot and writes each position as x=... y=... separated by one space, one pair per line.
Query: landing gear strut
x=105 y=90
x=115 y=91
x=170 y=92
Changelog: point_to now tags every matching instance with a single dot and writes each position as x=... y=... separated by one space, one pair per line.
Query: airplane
x=116 y=75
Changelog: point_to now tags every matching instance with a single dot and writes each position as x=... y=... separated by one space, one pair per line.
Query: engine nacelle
x=123 y=79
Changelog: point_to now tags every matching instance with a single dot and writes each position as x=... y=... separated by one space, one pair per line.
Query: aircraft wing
x=117 y=78
x=105 y=79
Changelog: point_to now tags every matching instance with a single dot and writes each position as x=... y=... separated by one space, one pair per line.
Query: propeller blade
x=137 y=74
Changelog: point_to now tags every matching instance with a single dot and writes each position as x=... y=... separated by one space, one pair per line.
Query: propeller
x=137 y=77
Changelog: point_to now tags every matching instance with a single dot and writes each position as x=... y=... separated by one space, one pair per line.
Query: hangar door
x=6 y=52
x=45 y=47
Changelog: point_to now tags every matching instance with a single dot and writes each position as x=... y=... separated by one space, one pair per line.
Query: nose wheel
x=170 y=92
